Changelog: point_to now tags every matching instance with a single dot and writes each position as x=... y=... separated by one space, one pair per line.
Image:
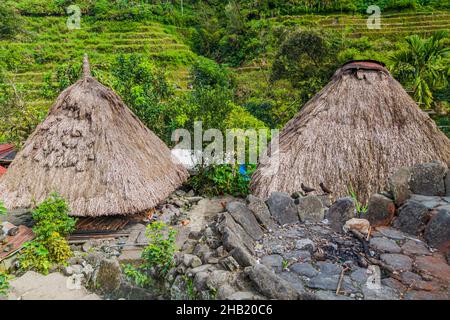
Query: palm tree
x=421 y=63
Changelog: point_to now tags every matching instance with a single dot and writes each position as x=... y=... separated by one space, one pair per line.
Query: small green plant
x=160 y=250
x=285 y=264
x=4 y=283
x=190 y=288
x=136 y=275
x=2 y=209
x=361 y=208
x=52 y=225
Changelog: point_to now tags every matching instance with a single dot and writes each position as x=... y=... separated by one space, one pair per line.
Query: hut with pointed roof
x=354 y=133
x=93 y=151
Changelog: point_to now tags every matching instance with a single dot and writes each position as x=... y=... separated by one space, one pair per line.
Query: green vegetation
x=159 y=253
x=222 y=179
x=361 y=208
x=2 y=209
x=4 y=283
x=136 y=275
x=52 y=226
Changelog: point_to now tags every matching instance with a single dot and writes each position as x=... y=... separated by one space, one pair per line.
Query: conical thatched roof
x=356 y=132
x=96 y=153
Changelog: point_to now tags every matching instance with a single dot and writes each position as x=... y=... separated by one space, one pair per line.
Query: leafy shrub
x=10 y=21
x=159 y=253
x=52 y=216
x=2 y=208
x=52 y=225
x=4 y=283
x=136 y=275
x=222 y=179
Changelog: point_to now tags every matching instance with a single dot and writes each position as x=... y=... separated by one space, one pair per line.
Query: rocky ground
x=288 y=247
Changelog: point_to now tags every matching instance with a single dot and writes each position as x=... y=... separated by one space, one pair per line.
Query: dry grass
x=96 y=153
x=357 y=131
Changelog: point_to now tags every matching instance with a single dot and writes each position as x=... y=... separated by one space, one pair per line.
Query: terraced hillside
x=392 y=25
x=47 y=42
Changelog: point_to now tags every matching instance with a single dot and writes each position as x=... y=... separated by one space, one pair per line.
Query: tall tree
x=422 y=65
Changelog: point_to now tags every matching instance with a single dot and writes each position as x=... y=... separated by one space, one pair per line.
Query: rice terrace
x=238 y=150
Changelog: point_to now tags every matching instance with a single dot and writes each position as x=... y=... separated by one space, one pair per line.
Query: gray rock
x=233 y=235
x=409 y=277
x=437 y=232
x=261 y=212
x=412 y=217
x=447 y=183
x=381 y=210
x=310 y=208
x=391 y=233
x=330 y=282
x=282 y=208
x=397 y=262
x=295 y=281
x=108 y=276
x=229 y=263
x=330 y=295
x=360 y=276
x=329 y=268
x=243 y=257
x=218 y=278
x=200 y=280
x=269 y=284
x=304 y=269
x=225 y=291
x=325 y=199
x=341 y=211
x=383 y=293
x=305 y=244
x=428 y=179
x=412 y=247
x=385 y=245
x=297 y=255
x=273 y=262
x=178 y=290
x=245 y=295
x=245 y=218
x=399 y=185
x=191 y=260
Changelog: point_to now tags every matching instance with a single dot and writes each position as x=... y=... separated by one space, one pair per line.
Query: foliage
x=160 y=250
x=52 y=225
x=17 y=120
x=4 y=283
x=3 y=210
x=10 y=21
x=222 y=179
x=206 y=72
x=190 y=288
x=52 y=216
x=136 y=275
x=421 y=64
x=361 y=208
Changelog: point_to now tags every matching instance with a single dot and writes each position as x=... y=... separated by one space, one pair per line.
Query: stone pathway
x=55 y=286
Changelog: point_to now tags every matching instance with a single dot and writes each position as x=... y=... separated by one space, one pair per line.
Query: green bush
x=4 y=283
x=159 y=253
x=10 y=21
x=50 y=247
x=222 y=179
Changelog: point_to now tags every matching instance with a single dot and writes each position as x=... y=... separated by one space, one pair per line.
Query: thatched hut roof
x=356 y=132
x=96 y=153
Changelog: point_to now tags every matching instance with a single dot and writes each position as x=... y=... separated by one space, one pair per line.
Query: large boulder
x=340 y=212
x=428 y=179
x=109 y=276
x=261 y=212
x=412 y=217
x=233 y=235
x=399 y=185
x=437 y=232
x=245 y=218
x=381 y=210
x=269 y=284
x=282 y=208
x=310 y=208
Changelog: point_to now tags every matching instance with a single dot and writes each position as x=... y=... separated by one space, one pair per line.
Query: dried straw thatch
x=95 y=152
x=355 y=132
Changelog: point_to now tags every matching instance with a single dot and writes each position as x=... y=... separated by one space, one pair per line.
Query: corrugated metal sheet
x=366 y=65
x=14 y=243
x=7 y=153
